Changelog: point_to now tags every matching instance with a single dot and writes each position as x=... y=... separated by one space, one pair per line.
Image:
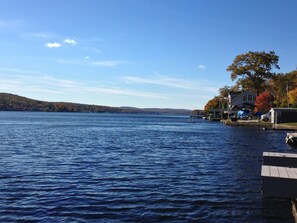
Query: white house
x=239 y=100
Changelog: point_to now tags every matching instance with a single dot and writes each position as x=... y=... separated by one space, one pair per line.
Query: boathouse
x=283 y=115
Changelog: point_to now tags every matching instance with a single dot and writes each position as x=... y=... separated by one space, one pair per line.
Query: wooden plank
x=280 y=159
x=291 y=172
x=293 y=155
x=280 y=154
x=282 y=172
x=295 y=170
x=265 y=171
x=273 y=171
x=279 y=181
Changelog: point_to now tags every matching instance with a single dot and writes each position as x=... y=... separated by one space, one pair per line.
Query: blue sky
x=141 y=53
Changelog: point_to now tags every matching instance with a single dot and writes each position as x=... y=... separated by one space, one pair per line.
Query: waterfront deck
x=279 y=175
x=279 y=181
x=280 y=159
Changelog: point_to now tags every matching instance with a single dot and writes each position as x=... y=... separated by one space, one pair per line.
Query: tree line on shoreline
x=253 y=71
x=11 y=102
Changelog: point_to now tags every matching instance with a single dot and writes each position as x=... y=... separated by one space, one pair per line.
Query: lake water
x=70 y=167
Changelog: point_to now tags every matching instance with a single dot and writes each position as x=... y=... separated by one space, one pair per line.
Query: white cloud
x=24 y=83
x=127 y=92
x=87 y=61
x=193 y=85
x=92 y=50
x=202 y=67
x=55 y=82
x=164 y=81
x=43 y=35
x=69 y=61
x=187 y=93
x=3 y=24
x=53 y=45
x=107 y=63
x=8 y=24
x=70 y=41
x=15 y=81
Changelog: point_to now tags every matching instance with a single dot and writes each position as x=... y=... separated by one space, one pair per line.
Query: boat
x=291 y=139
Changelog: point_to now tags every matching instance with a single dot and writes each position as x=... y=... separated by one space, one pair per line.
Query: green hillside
x=11 y=102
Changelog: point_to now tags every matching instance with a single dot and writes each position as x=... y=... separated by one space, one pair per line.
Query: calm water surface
x=66 y=167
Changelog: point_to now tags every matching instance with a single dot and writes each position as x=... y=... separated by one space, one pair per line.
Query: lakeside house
x=237 y=101
x=240 y=100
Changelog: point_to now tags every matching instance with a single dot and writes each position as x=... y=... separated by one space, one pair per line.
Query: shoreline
x=257 y=123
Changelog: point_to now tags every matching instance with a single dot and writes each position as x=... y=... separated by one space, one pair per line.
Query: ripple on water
x=131 y=168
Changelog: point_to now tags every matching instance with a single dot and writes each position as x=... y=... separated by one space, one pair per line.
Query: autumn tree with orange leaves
x=263 y=102
x=216 y=102
x=292 y=95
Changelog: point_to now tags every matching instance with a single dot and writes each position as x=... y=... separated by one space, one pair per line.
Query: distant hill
x=168 y=111
x=197 y=113
x=11 y=102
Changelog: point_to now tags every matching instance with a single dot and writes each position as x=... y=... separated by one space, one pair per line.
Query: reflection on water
x=132 y=168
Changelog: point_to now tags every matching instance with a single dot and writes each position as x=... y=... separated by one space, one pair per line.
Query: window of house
x=250 y=98
x=244 y=98
x=254 y=98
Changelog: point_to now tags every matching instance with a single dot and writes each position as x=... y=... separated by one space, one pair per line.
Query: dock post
x=294 y=211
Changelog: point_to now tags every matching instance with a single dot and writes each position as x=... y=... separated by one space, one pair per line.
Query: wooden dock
x=279 y=175
x=280 y=159
x=279 y=181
